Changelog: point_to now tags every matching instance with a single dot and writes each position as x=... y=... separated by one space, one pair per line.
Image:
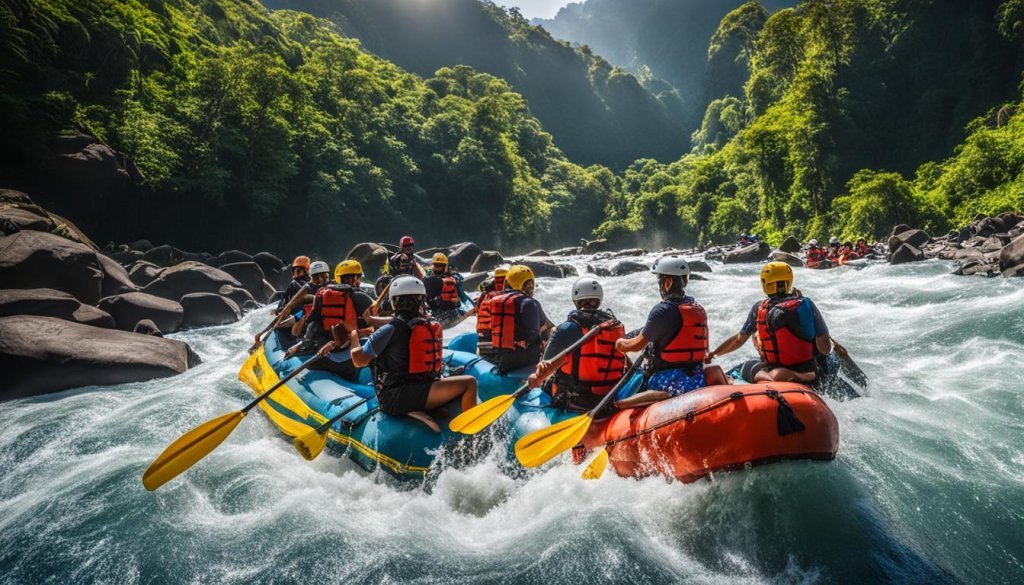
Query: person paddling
x=489 y=289
x=816 y=257
x=583 y=377
x=404 y=262
x=320 y=276
x=677 y=329
x=407 y=358
x=789 y=331
x=300 y=278
x=518 y=322
x=444 y=290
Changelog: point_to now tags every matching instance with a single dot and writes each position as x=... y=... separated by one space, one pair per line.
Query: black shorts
x=402 y=399
x=518 y=358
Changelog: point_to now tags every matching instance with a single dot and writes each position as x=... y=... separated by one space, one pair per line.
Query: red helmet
x=406 y=241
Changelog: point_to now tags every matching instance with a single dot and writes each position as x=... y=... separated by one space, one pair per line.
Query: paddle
x=541 y=446
x=200 y=441
x=856 y=374
x=311 y=444
x=380 y=298
x=482 y=415
x=261 y=337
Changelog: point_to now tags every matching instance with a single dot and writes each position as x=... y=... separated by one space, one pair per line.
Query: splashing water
x=928 y=485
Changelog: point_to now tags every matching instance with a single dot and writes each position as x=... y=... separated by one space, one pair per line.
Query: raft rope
x=787 y=420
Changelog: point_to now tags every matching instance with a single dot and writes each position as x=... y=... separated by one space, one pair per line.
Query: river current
x=928 y=485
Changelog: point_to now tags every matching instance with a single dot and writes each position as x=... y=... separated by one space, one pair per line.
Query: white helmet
x=834 y=240
x=671 y=266
x=813 y=242
x=587 y=288
x=319 y=267
x=407 y=286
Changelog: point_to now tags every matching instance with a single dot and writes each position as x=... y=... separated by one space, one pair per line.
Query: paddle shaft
x=327 y=425
x=611 y=393
x=578 y=344
x=383 y=293
x=280 y=316
x=323 y=351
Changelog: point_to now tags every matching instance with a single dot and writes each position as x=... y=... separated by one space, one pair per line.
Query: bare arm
x=728 y=346
x=359 y=358
x=824 y=344
x=544 y=370
x=627 y=345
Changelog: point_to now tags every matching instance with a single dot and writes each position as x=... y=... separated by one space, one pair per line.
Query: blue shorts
x=677 y=381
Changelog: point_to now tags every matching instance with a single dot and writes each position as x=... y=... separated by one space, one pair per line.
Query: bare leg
x=642 y=399
x=784 y=375
x=448 y=389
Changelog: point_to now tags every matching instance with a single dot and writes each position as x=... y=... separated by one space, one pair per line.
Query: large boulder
x=274 y=270
x=164 y=255
x=141 y=246
x=899 y=229
x=147 y=327
x=906 y=253
x=699 y=266
x=472 y=280
x=543 y=269
x=115 y=278
x=206 y=309
x=23 y=219
x=30 y=259
x=790 y=245
x=1011 y=258
x=487 y=261
x=598 y=270
x=916 y=238
x=756 y=252
x=47 y=302
x=791 y=259
x=143 y=273
x=593 y=246
x=240 y=296
x=371 y=256
x=232 y=257
x=44 y=354
x=570 y=251
x=624 y=267
x=130 y=308
x=251 y=276
x=463 y=256
x=538 y=254
x=189 y=277
x=18 y=211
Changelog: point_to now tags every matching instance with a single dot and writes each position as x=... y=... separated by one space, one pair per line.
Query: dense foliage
x=597 y=113
x=257 y=129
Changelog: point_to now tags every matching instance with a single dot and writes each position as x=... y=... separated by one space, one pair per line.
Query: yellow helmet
x=500 y=272
x=518 y=276
x=773 y=273
x=346 y=268
x=440 y=258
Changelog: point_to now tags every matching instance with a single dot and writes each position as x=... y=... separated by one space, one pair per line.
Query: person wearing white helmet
x=815 y=255
x=833 y=250
x=407 y=356
x=320 y=276
x=583 y=377
x=677 y=331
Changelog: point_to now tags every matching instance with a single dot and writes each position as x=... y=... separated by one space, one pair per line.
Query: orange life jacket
x=690 y=344
x=483 y=315
x=413 y=353
x=504 y=312
x=596 y=366
x=780 y=346
x=449 y=290
x=336 y=307
x=862 y=250
x=815 y=256
x=425 y=351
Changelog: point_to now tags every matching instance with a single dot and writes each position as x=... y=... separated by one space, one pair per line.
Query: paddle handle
x=326 y=349
x=576 y=345
x=380 y=298
x=615 y=389
x=280 y=316
x=327 y=425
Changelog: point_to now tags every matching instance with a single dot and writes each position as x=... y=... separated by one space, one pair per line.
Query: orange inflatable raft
x=718 y=428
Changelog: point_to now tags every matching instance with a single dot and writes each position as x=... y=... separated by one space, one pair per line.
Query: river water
x=928 y=485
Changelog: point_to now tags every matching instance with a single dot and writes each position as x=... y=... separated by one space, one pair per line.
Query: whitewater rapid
x=928 y=485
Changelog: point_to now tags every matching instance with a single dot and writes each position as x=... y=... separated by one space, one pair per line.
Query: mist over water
x=928 y=485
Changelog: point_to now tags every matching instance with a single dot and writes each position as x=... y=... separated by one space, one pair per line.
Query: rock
x=916 y=238
x=24 y=219
x=143 y=273
x=542 y=268
x=274 y=270
x=1011 y=258
x=694 y=277
x=791 y=245
x=538 y=254
x=147 y=327
x=371 y=256
x=568 y=271
x=756 y=252
x=472 y=280
x=127 y=257
x=47 y=302
x=189 y=277
x=463 y=256
x=240 y=296
x=115 y=277
x=130 y=308
x=141 y=245
x=598 y=270
x=625 y=267
x=17 y=210
x=164 y=256
x=899 y=229
x=232 y=257
x=488 y=261
x=699 y=266
x=251 y=276
x=204 y=309
x=570 y=251
x=791 y=259
x=593 y=246
x=43 y=354
x=629 y=252
x=906 y=253
x=30 y=259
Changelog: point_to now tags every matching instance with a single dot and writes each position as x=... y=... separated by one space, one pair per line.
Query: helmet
x=406 y=241
x=301 y=262
x=587 y=288
x=671 y=266
x=518 y=276
x=774 y=272
x=500 y=272
x=404 y=286
x=833 y=242
x=346 y=268
x=813 y=242
x=319 y=267
x=440 y=258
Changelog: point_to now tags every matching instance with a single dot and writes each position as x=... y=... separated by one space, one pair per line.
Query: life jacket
x=337 y=306
x=778 y=345
x=400 y=264
x=862 y=250
x=505 y=313
x=690 y=343
x=483 y=315
x=413 y=353
x=595 y=367
x=314 y=290
x=815 y=256
x=449 y=290
x=846 y=257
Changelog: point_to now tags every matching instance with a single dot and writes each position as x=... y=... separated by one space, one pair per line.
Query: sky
x=536 y=8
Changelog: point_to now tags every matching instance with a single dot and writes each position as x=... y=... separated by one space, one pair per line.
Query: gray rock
x=141 y=245
x=916 y=238
x=906 y=253
x=147 y=327
x=463 y=256
x=251 y=276
x=570 y=251
x=542 y=268
x=39 y=355
x=625 y=267
x=699 y=266
x=371 y=256
x=143 y=273
x=756 y=252
x=47 y=302
x=30 y=259
x=538 y=254
x=207 y=309
x=594 y=246
x=130 y=308
x=472 y=280
x=189 y=277
x=240 y=296
x=1011 y=258
x=115 y=277
x=899 y=229
x=598 y=270
x=488 y=261
x=791 y=245
x=232 y=257
x=791 y=259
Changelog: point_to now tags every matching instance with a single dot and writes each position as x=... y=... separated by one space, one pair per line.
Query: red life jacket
x=596 y=366
x=425 y=351
x=690 y=344
x=336 y=307
x=815 y=256
x=449 y=290
x=504 y=312
x=413 y=353
x=780 y=346
x=862 y=250
x=483 y=315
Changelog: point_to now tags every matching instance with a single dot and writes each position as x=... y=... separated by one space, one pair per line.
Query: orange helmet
x=301 y=262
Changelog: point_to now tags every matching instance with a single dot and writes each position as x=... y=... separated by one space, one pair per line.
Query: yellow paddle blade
x=541 y=446
x=189 y=449
x=248 y=372
x=482 y=415
x=595 y=469
x=311 y=444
